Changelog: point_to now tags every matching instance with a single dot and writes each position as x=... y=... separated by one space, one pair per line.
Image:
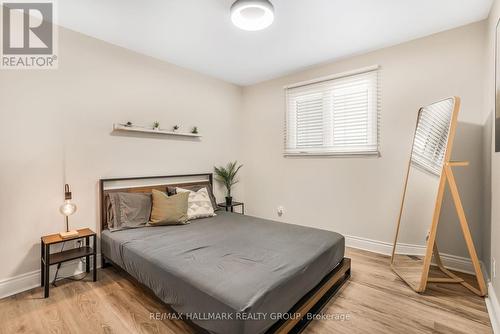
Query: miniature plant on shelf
x=156 y=125
x=175 y=128
x=195 y=130
x=227 y=176
x=128 y=124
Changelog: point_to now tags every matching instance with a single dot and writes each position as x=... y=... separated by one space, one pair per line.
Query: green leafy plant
x=195 y=130
x=156 y=125
x=175 y=128
x=227 y=175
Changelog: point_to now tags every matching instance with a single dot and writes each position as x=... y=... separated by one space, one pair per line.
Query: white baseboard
x=27 y=281
x=453 y=262
x=380 y=247
x=493 y=309
x=17 y=284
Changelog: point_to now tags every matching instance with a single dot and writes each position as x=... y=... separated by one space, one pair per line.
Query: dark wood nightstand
x=232 y=205
x=47 y=259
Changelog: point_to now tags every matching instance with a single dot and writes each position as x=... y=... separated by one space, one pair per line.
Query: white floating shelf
x=121 y=127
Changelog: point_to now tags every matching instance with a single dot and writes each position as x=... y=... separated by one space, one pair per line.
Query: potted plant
x=156 y=125
x=227 y=176
x=195 y=130
x=175 y=128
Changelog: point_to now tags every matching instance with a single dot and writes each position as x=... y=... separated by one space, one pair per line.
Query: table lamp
x=67 y=209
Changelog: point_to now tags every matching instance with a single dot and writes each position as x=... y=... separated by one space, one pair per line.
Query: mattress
x=230 y=273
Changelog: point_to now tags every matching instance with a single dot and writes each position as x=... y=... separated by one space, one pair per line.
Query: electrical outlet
x=280 y=210
x=493 y=267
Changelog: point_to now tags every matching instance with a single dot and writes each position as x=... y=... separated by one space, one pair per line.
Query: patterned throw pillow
x=199 y=204
x=171 y=191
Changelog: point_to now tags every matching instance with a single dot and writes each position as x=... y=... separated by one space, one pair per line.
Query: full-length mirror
x=423 y=190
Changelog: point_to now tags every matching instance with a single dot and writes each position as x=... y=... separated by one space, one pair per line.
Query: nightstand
x=232 y=205
x=47 y=259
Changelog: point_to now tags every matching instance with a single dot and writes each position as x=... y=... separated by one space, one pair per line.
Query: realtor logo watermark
x=29 y=38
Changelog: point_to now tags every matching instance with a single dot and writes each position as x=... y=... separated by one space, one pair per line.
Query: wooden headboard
x=145 y=184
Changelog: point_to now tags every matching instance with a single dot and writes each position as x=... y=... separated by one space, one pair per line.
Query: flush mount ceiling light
x=252 y=15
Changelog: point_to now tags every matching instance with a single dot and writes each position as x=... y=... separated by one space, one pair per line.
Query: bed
x=229 y=273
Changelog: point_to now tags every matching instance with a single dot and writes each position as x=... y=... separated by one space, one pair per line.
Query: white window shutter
x=309 y=120
x=333 y=117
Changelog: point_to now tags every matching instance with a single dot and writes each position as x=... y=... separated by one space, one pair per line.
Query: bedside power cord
x=68 y=277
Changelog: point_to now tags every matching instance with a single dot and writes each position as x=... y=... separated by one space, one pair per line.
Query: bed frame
x=312 y=302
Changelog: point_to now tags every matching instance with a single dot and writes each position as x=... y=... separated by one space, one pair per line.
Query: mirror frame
x=431 y=240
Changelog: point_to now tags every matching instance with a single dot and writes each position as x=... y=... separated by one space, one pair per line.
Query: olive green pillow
x=169 y=210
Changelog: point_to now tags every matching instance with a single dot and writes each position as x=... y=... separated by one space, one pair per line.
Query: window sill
x=333 y=155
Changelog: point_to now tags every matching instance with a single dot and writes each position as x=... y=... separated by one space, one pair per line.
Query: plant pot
x=229 y=200
x=156 y=129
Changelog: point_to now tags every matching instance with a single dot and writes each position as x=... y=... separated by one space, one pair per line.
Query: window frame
x=321 y=152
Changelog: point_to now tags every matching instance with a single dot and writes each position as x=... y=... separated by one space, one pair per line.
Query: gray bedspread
x=230 y=273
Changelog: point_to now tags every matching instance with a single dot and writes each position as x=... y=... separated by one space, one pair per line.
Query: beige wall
x=361 y=196
x=56 y=125
x=491 y=158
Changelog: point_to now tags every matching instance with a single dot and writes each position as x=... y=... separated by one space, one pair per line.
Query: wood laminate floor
x=375 y=300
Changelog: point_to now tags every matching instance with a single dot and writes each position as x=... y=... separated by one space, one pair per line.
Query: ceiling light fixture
x=252 y=15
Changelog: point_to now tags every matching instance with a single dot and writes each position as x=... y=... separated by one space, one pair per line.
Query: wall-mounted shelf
x=121 y=127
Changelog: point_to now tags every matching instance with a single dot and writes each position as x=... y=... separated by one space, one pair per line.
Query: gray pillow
x=129 y=210
x=172 y=191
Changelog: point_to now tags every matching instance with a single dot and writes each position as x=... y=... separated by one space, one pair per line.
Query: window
x=333 y=116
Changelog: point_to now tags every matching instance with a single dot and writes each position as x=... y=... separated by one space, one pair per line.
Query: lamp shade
x=68 y=208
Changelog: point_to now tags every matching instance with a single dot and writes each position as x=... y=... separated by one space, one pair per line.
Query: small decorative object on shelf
x=128 y=124
x=156 y=125
x=175 y=128
x=227 y=176
x=195 y=130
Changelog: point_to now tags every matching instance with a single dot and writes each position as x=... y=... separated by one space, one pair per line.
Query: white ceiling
x=199 y=35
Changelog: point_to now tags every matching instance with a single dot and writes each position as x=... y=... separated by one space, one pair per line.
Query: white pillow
x=199 y=204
